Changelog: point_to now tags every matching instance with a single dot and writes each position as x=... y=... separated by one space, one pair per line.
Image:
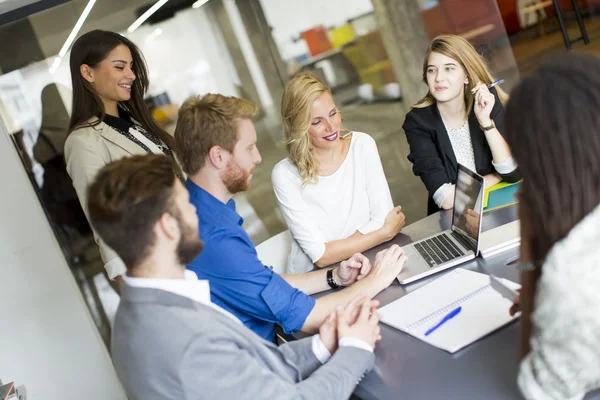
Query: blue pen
x=499 y=81
x=447 y=318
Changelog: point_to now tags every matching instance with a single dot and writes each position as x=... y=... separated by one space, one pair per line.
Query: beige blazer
x=87 y=150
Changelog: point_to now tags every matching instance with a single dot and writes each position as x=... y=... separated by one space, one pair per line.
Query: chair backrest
x=274 y=252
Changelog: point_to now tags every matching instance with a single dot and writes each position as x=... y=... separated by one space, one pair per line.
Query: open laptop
x=453 y=246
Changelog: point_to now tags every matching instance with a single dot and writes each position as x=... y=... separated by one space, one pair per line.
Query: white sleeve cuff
x=505 y=167
x=115 y=267
x=441 y=193
x=316 y=251
x=319 y=349
x=354 y=342
x=323 y=355
x=371 y=226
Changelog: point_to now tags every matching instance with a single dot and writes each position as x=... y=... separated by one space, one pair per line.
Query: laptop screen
x=468 y=204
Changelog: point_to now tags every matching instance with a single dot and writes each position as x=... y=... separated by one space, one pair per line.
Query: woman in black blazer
x=460 y=120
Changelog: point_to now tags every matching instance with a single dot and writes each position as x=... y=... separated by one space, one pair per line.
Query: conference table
x=407 y=368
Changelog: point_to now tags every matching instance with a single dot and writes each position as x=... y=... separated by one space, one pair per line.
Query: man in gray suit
x=171 y=342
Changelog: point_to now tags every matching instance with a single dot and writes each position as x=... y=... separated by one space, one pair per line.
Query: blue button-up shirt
x=239 y=281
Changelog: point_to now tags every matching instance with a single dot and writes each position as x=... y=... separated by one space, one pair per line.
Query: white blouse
x=460 y=139
x=354 y=198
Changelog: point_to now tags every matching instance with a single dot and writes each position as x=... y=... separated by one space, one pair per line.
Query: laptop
x=453 y=246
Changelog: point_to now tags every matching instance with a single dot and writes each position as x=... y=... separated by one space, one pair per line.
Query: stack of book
x=505 y=237
x=500 y=239
x=8 y=391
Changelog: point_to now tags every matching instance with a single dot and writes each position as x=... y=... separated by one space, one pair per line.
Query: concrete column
x=405 y=41
x=248 y=88
x=265 y=48
x=250 y=56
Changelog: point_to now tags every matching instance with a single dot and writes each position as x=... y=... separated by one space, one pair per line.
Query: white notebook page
x=483 y=310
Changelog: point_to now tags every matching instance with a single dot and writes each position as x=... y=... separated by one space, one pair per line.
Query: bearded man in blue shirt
x=216 y=146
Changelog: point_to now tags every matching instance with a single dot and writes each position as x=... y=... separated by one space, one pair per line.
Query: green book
x=500 y=195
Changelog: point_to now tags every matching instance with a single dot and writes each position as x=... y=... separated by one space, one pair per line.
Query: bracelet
x=527 y=266
x=330 y=280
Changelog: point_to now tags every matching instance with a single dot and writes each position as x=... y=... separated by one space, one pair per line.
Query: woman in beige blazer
x=109 y=119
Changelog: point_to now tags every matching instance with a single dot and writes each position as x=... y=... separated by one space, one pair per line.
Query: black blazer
x=431 y=150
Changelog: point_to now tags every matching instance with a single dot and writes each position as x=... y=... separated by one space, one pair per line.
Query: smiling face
x=446 y=78
x=325 y=123
x=113 y=77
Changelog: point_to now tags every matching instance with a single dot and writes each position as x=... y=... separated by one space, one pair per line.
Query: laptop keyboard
x=439 y=249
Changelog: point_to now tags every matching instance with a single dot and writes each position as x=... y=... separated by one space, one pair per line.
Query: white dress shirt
x=354 y=198
x=199 y=291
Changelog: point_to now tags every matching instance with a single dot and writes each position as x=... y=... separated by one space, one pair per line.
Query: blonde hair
x=459 y=49
x=296 y=103
x=207 y=121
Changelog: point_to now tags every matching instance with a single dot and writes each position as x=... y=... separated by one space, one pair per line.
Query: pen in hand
x=448 y=317
x=491 y=85
x=497 y=82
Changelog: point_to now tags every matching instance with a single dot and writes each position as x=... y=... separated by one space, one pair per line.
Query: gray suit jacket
x=167 y=346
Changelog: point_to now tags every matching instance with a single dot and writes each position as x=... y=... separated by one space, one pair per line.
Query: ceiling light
x=138 y=22
x=157 y=32
x=55 y=65
x=76 y=28
x=199 y=3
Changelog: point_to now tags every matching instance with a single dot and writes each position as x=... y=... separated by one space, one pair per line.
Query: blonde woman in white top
x=331 y=190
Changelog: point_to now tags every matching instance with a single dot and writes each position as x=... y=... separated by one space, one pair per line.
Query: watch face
x=330 y=281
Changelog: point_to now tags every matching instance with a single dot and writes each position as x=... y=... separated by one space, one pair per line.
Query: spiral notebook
x=483 y=310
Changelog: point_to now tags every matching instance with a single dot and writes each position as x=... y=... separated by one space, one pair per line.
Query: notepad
x=483 y=310
x=500 y=195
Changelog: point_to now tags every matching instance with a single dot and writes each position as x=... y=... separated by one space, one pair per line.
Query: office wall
x=48 y=341
x=290 y=18
x=187 y=58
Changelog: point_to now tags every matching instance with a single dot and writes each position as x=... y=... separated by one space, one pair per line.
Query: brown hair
x=126 y=200
x=459 y=49
x=91 y=49
x=208 y=121
x=552 y=126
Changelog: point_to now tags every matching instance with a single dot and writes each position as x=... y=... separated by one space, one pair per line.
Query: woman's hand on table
x=394 y=222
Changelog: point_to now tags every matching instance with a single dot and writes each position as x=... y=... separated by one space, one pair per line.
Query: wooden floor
x=529 y=51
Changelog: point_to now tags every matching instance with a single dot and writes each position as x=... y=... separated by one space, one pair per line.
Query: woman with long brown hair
x=109 y=119
x=331 y=189
x=552 y=125
x=459 y=121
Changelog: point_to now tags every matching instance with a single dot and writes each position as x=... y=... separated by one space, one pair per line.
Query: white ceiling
x=52 y=26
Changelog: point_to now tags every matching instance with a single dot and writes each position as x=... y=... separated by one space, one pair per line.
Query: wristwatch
x=488 y=128
x=330 y=281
